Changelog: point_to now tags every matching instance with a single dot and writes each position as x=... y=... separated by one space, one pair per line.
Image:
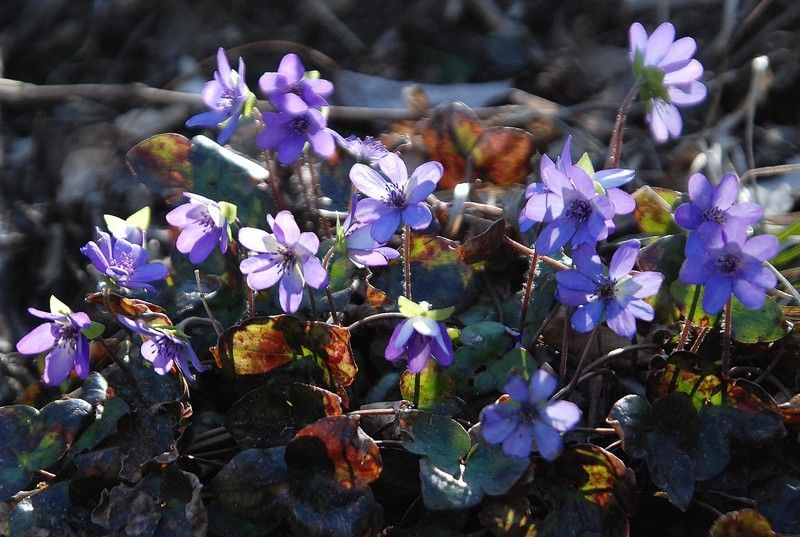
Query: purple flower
x=667 y=76
x=716 y=205
x=290 y=91
x=399 y=199
x=64 y=337
x=361 y=248
x=368 y=151
x=226 y=96
x=726 y=261
x=572 y=207
x=527 y=418
x=420 y=336
x=285 y=255
x=165 y=347
x=288 y=133
x=123 y=262
x=543 y=204
x=617 y=294
x=204 y=224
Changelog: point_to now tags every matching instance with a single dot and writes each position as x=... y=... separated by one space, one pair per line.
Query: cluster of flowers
x=577 y=206
x=573 y=205
x=719 y=255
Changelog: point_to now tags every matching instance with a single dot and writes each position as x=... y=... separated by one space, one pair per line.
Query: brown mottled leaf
x=335 y=447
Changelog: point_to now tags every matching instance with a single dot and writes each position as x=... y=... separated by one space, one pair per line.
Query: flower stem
x=251 y=303
x=562 y=365
x=273 y=180
x=331 y=305
x=312 y=302
x=317 y=192
x=687 y=325
x=298 y=169
x=726 y=344
x=530 y=251
x=615 y=144
x=407 y=260
x=417 y=384
x=566 y=390
x=528 y=289
x=376 y=317
x=214 y=323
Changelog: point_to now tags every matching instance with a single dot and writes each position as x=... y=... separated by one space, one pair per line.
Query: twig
x=769 y=170
x=759 y=67
x=327 y=19
x=18 y=92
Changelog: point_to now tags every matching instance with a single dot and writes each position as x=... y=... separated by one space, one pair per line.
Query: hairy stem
x=726 y=344
x=273 y=180
x=615 y=144
x=407 y=260
x=687 y=325
x=523 y=314
x=317 y=192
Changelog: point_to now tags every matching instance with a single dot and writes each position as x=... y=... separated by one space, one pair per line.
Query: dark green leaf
x=442 y=440
x=31 y=440
x=164 y=503
x=438 y=275
x=763 y=325
x=171 y=164
x=250 y=485
x=271 y=414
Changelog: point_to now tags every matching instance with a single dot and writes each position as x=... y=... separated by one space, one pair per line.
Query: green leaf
x=437 y=392
x=589 y=489
x=442 y=440
x=250 y=485
x=778 y=498
x=262 y=346
x=438 y=275
x=653 y=210
x=32 y=440
x=491 y=470
x=787 y=258
x=585 y=163
x=95 y=330
x=166 y=502
x=541 y=302
x=794 y=229
x=273 y=413
x=664 y=255
x=171 y=164
x=57 y=307
x=763 y=325
x=743 y=523
x=688 y=301
x=409 y=308
x=442 y=490
x=335 y=447
x=664 y=435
